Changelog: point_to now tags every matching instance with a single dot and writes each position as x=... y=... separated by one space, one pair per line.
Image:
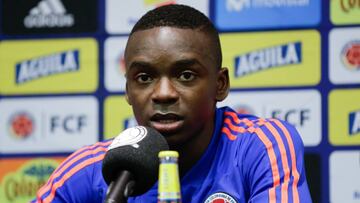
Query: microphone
x=130 y=166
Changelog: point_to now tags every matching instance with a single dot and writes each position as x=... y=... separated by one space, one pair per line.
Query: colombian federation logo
x=220 y=197
x=22 y=125
x=244 y=109
x=130 y=136
x=120 y=63
x=158 y=3
x=350 y=55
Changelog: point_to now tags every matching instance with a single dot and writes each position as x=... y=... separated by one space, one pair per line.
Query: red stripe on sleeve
x=76 y=157
x=67 y=175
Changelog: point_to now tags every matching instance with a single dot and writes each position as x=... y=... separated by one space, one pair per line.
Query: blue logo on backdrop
x=257 y=14
x=354 y=122
x=270 y=57
x=43 y=66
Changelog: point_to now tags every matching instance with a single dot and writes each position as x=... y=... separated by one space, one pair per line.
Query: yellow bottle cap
x=168 y=154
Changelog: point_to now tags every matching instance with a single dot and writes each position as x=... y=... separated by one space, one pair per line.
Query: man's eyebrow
x=182 y=63
x=188 y=63
x=139 y=64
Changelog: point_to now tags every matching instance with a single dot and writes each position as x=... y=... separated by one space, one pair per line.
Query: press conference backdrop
x=62 y=84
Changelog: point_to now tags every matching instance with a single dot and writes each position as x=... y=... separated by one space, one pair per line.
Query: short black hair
x=180 y=16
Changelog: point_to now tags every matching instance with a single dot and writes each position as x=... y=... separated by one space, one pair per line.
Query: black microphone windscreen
x=136 y=150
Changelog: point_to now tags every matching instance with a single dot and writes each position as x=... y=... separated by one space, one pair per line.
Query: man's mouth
x=166 y=123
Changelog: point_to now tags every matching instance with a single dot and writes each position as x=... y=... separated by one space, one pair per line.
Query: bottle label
x=169 y=188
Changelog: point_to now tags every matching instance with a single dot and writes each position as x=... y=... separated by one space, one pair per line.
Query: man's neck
x=191 y=151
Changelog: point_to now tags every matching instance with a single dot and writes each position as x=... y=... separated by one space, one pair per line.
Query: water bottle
x=169 y=183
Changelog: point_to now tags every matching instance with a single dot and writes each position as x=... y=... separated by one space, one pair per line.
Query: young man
x=174 y=80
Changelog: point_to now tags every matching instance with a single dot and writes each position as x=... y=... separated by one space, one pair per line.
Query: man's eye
x=143 y=78
x=187 y=76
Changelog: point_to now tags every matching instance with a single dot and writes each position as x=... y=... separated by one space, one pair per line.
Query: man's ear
x=223 y=84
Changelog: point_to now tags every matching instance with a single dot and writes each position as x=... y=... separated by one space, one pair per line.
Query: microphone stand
x=120 y=189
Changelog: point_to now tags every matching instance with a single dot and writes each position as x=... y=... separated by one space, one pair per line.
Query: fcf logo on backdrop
x=302 y=109
x=298 y=117
x=58 y=124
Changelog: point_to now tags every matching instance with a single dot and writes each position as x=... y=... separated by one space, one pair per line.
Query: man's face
x=173 y=82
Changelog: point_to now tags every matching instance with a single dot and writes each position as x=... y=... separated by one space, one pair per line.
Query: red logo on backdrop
x=165 y=3
x=120 y=61
x=220 y=197
x=243 y=109
x=21 y=125
x=351 y=55
x=159 y=3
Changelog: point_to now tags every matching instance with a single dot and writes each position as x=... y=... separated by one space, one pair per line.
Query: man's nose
x=165 y=91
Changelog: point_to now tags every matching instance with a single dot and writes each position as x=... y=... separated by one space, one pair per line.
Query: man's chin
x=173 y=141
